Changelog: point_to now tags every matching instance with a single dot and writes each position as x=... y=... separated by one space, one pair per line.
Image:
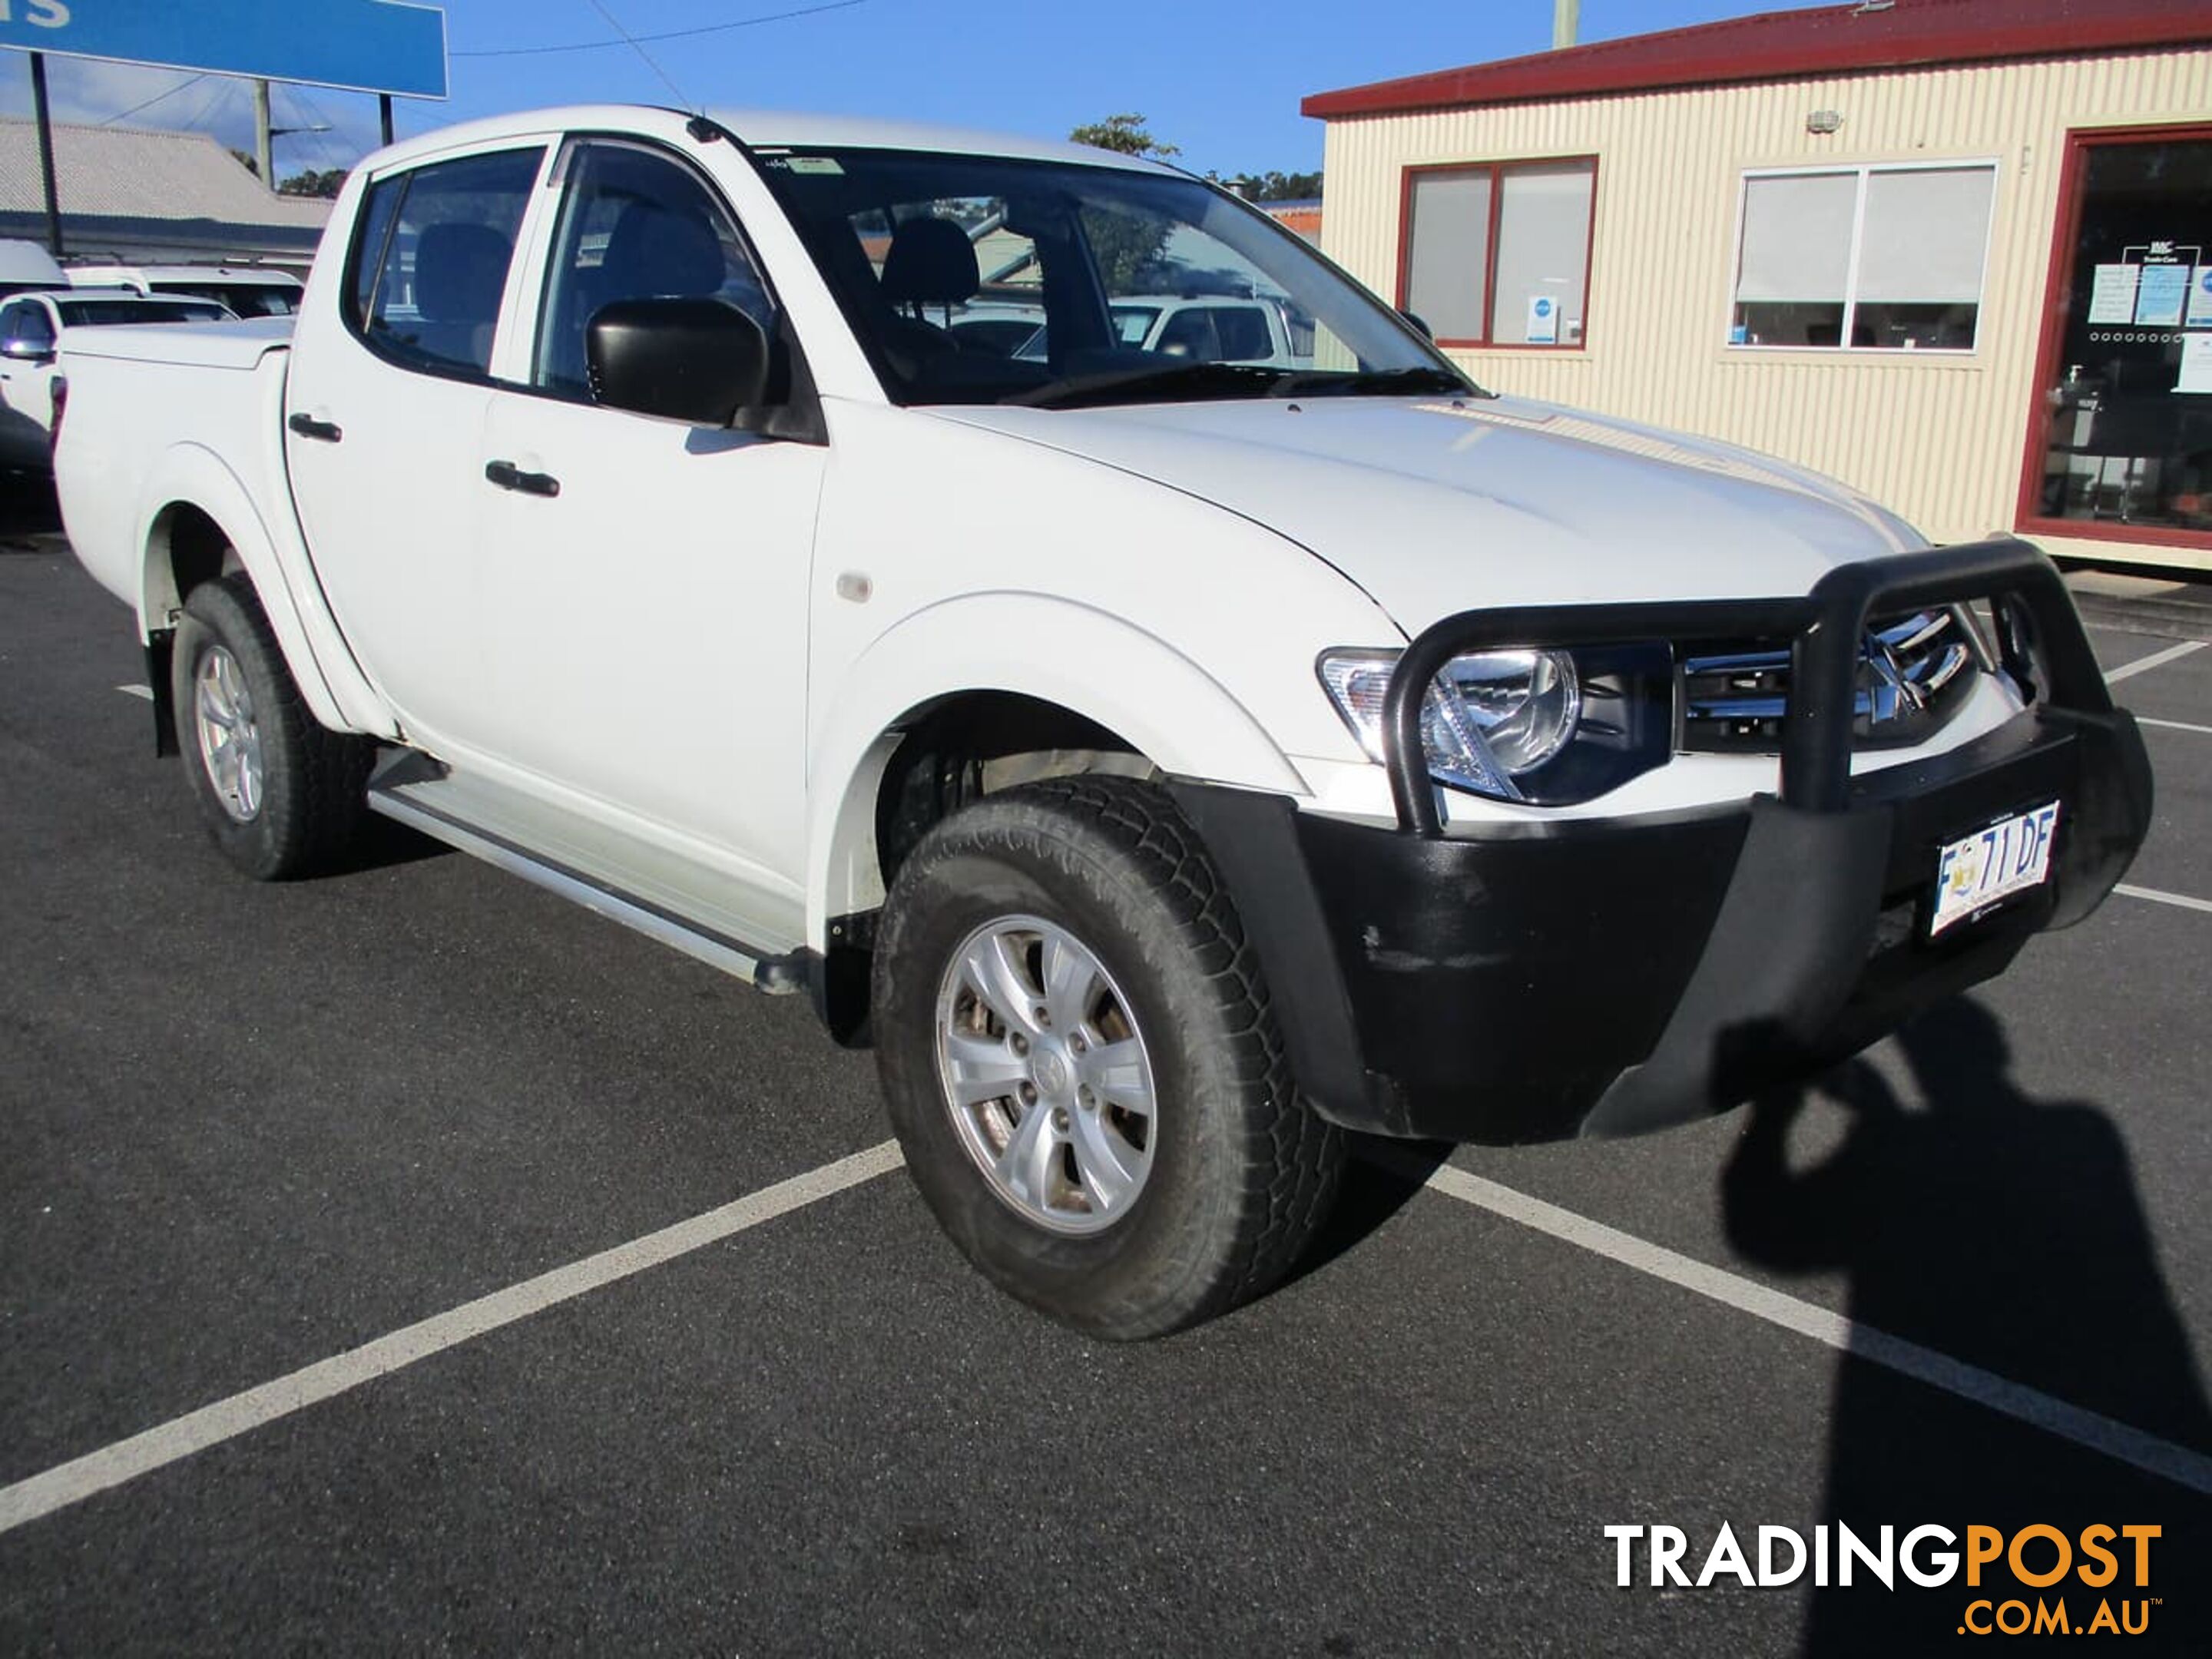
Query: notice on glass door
x=2112 y=294
x=2160 y=293
x=2196 y=365
x=2200 y=297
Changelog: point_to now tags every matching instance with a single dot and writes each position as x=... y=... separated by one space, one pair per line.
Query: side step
x=611 y=874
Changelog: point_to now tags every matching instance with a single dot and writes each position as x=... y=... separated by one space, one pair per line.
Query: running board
x=609 y=873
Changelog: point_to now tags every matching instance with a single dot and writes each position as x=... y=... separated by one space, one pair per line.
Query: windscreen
x=95 y=313
x=923 y=250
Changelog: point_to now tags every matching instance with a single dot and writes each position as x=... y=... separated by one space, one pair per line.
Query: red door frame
x=2057 y=297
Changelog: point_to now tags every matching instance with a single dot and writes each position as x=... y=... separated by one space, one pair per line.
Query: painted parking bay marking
x=2180 y=900
x=2120 y=1441
x=242 y=1413
x=2156 y=659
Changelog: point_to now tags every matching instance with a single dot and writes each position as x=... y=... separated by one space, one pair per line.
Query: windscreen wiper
x=1202 y=379
x=1309 y=383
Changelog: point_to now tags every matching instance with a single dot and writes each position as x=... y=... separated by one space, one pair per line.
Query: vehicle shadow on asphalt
x=1382 y=1177
x=2006 y=1232
x=27 y=509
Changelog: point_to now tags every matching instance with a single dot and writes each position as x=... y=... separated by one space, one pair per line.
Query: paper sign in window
x=2160 y=293
x=2112 y=295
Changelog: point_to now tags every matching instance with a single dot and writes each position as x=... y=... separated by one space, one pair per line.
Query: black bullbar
x=1540 y=980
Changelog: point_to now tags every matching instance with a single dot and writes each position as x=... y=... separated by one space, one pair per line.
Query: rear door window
x=431 y=256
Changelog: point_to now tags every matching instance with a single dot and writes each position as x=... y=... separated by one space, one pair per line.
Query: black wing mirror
x=27 y=352
x=697 y=361
x=1419 y=323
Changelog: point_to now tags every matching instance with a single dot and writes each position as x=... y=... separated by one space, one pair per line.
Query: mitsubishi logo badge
x=1894 y=695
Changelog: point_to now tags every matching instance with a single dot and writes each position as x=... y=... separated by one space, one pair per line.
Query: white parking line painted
x=2157 y=898
x=242 y=1413
x=2100 y=1434
x=2172 y=725
x=145 y=691
x=2156 y=659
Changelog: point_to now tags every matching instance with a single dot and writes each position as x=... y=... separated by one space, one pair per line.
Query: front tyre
x=1076 y=1048
x=282 y=796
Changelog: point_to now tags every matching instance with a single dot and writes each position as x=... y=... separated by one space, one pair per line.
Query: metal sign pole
x=47 y=152
x=383 y=114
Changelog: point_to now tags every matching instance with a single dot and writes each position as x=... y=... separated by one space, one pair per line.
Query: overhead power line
x=636 y=46
x=190 y=80
x=647 y=40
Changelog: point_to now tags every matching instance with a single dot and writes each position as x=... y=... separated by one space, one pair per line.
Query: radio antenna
x=630 y=40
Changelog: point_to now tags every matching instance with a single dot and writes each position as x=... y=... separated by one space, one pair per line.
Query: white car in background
x=33 y=328
x=1264 y=333
x=247 y=290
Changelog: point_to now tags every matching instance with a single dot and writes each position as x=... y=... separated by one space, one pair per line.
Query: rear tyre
x=280 y=794
x=1075 y=1043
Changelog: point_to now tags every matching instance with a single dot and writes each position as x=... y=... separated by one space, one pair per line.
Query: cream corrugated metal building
x=1957 y=252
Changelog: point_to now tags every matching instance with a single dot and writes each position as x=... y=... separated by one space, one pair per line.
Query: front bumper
x=1609 y=977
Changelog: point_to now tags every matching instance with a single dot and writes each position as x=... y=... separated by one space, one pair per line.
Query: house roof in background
x=130 y=175
x=1783 y=45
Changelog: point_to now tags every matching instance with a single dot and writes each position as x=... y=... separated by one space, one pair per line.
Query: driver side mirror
x=1420 y=325
x=699 y=360
x=27 y=352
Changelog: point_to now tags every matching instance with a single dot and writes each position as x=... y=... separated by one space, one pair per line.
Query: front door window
x=2127 y=417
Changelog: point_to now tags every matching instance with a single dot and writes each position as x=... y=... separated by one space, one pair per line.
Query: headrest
x=656 y=251
x=459 y=272
x=930 y=262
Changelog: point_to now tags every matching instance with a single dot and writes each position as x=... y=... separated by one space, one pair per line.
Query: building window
x=1498 y=254
x=1878 y=258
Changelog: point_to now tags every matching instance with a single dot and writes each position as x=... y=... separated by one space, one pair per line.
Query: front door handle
x=507 y=476
x=323 y=432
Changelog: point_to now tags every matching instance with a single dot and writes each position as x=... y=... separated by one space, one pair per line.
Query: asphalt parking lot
x=295 y=1353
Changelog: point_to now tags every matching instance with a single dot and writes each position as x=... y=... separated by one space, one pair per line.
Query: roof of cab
x=760 y=130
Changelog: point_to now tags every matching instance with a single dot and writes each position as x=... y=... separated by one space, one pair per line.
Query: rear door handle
x=507 y=476
x=323 y=432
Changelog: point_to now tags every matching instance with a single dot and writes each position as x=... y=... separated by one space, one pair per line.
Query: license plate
x=2011 y=856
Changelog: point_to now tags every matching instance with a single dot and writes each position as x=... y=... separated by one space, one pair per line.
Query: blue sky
x=1221 y=79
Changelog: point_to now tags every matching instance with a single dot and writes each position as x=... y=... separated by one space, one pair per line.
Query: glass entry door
x=2123 y=444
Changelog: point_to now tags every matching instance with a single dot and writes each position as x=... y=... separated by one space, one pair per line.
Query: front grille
x=1915 y=673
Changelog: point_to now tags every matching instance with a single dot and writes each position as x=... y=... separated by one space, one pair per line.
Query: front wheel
x=280 y=795
x=1076 y=1046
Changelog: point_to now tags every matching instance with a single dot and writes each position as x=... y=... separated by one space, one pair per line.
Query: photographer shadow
x=2006 y=1233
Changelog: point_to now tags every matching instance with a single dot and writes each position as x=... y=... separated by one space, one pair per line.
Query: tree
x=1125 y=135
x=1126 y=242
x=323 y=186
x=247 y=162
x=1273 y=186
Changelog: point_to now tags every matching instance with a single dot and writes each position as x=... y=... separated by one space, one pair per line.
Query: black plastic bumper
x=1595 y=976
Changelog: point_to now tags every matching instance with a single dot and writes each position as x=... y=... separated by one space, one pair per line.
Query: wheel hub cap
x=1045 y=1076
x=223 y=717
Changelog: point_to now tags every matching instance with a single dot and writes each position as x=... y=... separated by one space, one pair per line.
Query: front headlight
x=1543 y=727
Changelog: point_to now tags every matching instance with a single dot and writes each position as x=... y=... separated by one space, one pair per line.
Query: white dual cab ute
x=1168 y=764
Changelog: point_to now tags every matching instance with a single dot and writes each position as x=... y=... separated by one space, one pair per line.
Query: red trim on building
x=1777 y=45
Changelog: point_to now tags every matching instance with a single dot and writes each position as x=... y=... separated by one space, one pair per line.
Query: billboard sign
x=356 y=45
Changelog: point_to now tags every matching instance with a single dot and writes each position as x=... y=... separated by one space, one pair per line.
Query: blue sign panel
x=359 y=45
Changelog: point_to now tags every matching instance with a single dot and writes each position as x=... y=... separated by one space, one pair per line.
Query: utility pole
x=383 y=114
x=263 y=142
x=47 y=152
x=1566 y=21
